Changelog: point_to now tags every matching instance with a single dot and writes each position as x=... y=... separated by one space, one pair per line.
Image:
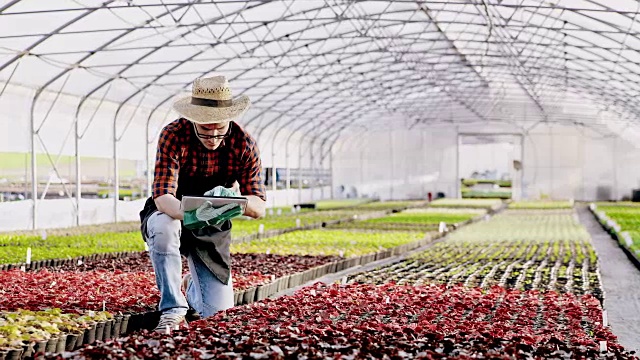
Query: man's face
x=211 y=135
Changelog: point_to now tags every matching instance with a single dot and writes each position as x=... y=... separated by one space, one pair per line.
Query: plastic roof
x=337 y=67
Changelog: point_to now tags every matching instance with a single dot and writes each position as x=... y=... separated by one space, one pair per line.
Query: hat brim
x=212 y=115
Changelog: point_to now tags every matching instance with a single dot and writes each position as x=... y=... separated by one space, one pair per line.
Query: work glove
x=221 y=191
x=207 y=215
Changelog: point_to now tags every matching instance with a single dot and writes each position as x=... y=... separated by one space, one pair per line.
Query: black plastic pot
x=100 y=330
x=14 y=354
x=71 y=342
x=27 y=350
x=61 y=344
x=115 y=329
x=249 y=295
x=124 y=327
x=52 y=344
x=40 y=347
x=79 y=340
x=90 y=335
x=108 y=328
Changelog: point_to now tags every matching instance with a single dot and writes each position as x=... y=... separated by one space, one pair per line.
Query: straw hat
x=211 y=102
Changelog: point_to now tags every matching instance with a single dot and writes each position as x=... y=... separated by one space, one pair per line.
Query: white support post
x=331 y=172
x=78 y=172
x=391 y=166
x=116 y=174
x=312 y=169
x=288 y=174
x=34 y=176
x=300 y=171
x=458 y=188
x=148 y=161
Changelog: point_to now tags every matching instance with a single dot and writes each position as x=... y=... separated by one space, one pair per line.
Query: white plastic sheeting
x=324 y=73
x=560 y=162
x=398 y=164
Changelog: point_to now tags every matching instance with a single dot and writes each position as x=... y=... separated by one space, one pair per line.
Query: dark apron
x=212 y=244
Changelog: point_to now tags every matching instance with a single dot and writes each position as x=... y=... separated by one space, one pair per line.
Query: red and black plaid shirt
x=178 y=152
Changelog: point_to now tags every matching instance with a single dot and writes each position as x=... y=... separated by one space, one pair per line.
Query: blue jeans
x=205 y=293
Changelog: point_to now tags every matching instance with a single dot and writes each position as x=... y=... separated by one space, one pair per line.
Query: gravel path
x=621 y=282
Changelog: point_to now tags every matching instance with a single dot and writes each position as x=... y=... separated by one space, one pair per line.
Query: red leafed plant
x=386 y=321
x=77 y=291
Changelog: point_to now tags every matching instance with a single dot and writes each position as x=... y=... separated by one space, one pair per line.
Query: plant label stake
x=603 y=346
x=28 y=262
x=592 y=207
x=344 y=279
x=43 y=234
x=261 y=229
x=279 y=212
x=270 y=212
x=297 y=223
x=23 y=268
x=167 y=330
x=442 y=227
x=104 y=305
x=605 y=320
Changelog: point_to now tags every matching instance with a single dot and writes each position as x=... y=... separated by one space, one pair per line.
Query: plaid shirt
x=179 y=150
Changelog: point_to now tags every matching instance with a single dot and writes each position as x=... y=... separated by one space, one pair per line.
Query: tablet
x=189 y=203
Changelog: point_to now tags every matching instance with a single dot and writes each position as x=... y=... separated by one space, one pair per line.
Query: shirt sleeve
x=251 y=182
x=167 y=168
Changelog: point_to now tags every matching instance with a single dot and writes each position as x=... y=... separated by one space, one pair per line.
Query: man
x=196 y=153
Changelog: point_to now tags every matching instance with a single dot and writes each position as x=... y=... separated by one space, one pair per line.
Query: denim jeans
x=205 y=293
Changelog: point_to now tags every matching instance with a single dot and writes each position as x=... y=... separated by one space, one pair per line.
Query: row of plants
x=423 y=217
x=532 y=205
x=328 y=242
x=563 y=266
x=40 y=331
x=478 y=194
x=127 y=285
x=473 y=182
x=420 y=219
x=68 y=243
x=363 y=321
x=129 y=281
x=623 y=223
x=527 y=225
x=489 y=204
x=526 y=250
x=14 y=248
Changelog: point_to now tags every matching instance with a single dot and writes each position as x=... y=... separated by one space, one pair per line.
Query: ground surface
x=621 y=281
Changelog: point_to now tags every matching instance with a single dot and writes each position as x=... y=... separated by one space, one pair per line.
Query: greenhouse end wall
x=560 y=162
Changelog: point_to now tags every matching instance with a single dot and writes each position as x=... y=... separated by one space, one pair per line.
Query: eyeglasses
x=207 y=137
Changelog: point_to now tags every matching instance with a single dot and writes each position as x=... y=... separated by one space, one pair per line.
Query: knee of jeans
x=166 y=233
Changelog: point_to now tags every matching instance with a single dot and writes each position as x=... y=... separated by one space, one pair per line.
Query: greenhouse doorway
x=490 y=166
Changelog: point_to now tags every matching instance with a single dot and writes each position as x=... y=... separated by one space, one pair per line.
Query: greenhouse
x=184 y=179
